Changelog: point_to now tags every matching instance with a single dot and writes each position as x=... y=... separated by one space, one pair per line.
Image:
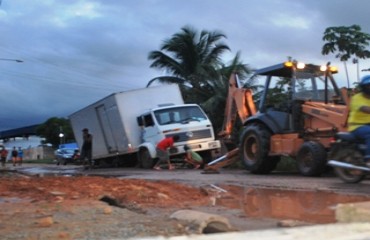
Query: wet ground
x=325 y=190
x=249 y=201
x=276 y=180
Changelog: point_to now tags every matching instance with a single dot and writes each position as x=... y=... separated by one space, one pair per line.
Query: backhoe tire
x=145 y=160
x=254 y=150
x=311 y=159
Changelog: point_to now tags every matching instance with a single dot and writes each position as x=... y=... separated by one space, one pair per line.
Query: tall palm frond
x=190 y=56
x=166 y=79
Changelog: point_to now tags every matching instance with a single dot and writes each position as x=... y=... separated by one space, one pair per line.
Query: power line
x=70 y=72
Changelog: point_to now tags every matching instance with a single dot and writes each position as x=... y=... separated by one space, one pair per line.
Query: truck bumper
x=197 y=147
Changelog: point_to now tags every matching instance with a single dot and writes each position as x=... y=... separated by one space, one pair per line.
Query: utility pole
x=8 y=59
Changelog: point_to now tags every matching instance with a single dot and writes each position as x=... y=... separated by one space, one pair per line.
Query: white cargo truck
x=129 y=124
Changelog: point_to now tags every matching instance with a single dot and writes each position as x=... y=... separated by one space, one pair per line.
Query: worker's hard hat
x=365 y=80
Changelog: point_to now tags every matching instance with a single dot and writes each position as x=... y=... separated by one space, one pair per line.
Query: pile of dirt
x=124 y=191
x=90 y=207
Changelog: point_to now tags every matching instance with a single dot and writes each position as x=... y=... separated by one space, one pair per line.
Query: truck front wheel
x=254 y=149
x=145 y=160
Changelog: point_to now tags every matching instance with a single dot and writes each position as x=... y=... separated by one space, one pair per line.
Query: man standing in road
x=20 y=156
x=86 y=149
x=14 y=156
x=3 y=156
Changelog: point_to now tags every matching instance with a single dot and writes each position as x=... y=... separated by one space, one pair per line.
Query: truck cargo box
x=112 y=120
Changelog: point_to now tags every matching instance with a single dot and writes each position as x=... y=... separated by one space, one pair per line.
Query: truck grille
x=193 y=135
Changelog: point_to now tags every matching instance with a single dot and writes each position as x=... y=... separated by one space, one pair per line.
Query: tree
x=51 y=129
x=278 y=96
x=217 y=90
x=190 y=58
x=194 y=62
x=348 y=42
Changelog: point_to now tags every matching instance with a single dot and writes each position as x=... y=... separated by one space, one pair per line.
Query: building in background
x=31 y=144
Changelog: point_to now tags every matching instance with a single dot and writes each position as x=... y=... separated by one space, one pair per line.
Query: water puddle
x=12 y=200
x=307 y=206
x=49 y=171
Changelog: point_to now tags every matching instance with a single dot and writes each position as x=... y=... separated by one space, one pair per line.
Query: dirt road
x=279 y=180
x=67 y=202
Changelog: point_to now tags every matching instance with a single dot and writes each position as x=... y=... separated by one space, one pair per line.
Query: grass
x=287 y=164
x=40 y=161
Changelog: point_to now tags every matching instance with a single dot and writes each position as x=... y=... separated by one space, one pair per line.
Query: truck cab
x=188 y=121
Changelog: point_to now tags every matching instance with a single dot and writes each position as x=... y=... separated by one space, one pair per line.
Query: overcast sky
x=76 y=52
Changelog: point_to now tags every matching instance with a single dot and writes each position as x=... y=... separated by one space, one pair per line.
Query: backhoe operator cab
x=300 y=110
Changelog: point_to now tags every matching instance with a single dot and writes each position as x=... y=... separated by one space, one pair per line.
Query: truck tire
x=206 y=156
x=353 y=156
x=145 y=160
x=254 y=150
x=311 y=159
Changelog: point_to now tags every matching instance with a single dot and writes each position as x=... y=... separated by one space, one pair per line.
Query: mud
x=63 y=199
x=309 y=206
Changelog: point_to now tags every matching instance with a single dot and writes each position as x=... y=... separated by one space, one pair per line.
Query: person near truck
x=162 y=151
x=76 y=155
x=14 y=156
x=359 y=117
x=192 y=157
x=86 y=149
x=20 y=156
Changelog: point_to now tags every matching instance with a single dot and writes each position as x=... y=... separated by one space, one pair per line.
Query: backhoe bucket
x=220 y=162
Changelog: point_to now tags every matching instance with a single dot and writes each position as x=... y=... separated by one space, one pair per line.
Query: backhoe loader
x=300 y=123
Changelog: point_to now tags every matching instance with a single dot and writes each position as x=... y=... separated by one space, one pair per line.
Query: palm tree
x=190 y=59
x=193 y=61
x=217 y=89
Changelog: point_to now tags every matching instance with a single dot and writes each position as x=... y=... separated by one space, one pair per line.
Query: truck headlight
x=212 y=145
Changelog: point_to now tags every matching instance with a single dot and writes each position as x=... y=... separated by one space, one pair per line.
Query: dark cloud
x=76 y=52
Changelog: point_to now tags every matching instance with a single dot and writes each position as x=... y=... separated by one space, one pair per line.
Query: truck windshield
x=179 y=115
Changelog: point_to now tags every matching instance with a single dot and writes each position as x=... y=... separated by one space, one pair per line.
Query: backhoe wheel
x=311 y=159
x=352 y=156
x=145 y=160
x=254 y=149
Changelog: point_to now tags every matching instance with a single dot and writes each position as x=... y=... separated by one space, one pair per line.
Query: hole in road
x=116 y=203
x=111 y=201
